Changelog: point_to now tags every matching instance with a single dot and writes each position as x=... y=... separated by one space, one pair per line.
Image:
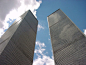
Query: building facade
x=68 y=42
x=18 y=43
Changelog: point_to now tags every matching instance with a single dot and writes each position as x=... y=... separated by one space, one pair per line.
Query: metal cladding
x=68 y=42
x=18 y=43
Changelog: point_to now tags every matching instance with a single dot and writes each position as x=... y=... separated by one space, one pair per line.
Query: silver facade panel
x=3 y=44
x=68 y=42
x=10 y=31
x=12 y=55
x=20 y=48
x=72 y=54
x=7 y=36
x=31 y=20
x=56 y=17
x=23 y=15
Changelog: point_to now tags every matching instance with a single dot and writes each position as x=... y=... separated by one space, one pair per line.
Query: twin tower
x=18 y=43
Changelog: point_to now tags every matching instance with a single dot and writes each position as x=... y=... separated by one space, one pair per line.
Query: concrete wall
x=68 y=42
x=20 y=48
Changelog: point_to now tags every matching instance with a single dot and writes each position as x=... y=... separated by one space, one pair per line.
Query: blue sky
x=74 y=9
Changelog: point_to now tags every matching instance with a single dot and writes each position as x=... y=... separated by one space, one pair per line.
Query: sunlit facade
x=18 y=43
x=68 y=42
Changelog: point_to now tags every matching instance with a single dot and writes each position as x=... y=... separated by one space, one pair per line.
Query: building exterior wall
x=68 y=42
x=19 y=41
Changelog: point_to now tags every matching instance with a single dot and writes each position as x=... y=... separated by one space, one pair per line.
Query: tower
x=18 y=43
x=68 y=42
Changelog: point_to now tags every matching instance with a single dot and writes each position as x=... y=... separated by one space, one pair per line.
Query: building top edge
x=33 y=15
x=53 y=12
x=27 y=12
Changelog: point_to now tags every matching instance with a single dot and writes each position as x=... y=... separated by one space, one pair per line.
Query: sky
x=12 y=9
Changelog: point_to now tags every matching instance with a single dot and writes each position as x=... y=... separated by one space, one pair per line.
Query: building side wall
x=68 y=42
x=20 y=48
x=7 y=36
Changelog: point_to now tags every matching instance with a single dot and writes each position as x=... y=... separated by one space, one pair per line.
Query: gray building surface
x=68 y=42
x=18 y=43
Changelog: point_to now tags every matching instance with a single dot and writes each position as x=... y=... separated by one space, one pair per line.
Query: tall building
x=68 y=42
x=18 y=43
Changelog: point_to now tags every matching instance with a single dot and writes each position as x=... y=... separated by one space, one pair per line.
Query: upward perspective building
x=18 y=43
x=68 y=42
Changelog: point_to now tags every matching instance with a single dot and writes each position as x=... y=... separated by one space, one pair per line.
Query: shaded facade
x=18 y=43
x=68 y=42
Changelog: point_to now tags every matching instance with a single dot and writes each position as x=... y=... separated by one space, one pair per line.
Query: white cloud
x=39 y=51
x=40 y=48
x=40 y=44
x=48 y=39
x=44 y=60
x=49 y=33
x=13 y=9
x=40 y=27
x=85 y=31
x=1 y=32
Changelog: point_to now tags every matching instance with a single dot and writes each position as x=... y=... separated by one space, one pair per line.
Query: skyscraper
x=68 y=42
x=18 y=43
